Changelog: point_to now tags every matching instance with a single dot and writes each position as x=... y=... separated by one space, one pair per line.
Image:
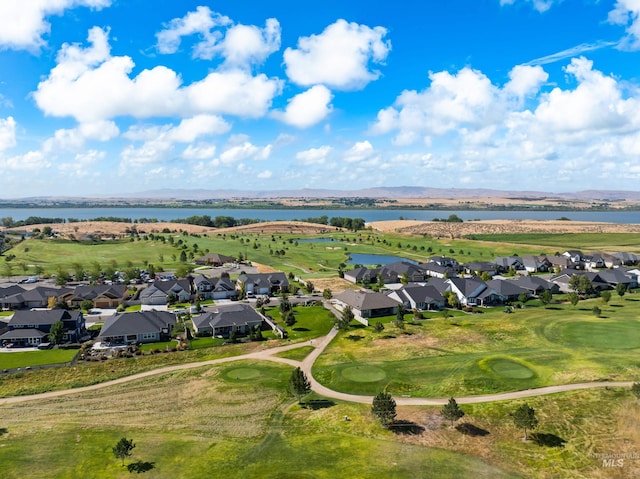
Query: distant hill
x=390 y=192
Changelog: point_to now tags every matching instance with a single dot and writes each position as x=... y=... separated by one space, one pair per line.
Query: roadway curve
x=306 y=365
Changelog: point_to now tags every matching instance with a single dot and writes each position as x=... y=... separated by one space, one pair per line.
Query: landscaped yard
x=22 y=359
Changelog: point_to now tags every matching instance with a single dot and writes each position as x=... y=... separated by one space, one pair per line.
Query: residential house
x=595 y=261
x=480 y=267
x=138 y=327
x=562 y=262
x=419 y=297
x=158 y=292
x=31 y=327
x=37 y=297
x=576 y=256
x=239 y=318
x=367 y=304
x=402 y=269
x=214 y=259
x=443 y=261
x=362 y=275
x=507 y=291
x=101 y=295
x=263 y=283
x=563 y=279
x=435 y=270
x=468 y=290
x=616 y=276
x=535 y=285
x=627 y=259
x=214 y=288
x=535 y=264
x=505 y=263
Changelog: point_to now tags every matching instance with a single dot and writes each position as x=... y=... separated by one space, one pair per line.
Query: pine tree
x=384 y=408
x=451 y=411
x=299 y=385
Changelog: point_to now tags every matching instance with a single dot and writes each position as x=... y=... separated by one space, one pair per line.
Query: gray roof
x=505 y=288
x=137 y=323
x=230 y=315
x=92 y=292
x=421 y=294
x=276 y=278
x=22 y=333
x=42 y=318
x=366 y=300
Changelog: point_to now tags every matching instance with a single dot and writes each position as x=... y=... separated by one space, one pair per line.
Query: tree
x=345 y=319
x=56 y=333
x=545 y=297
x=605 y=296
x=580 y=284
x=451 y=411
x=573 y=298
x=384 y=408
x=123 y=448
x=597 y=312
x=635 y=389
x=327 y=294
x=87 y=304
x=309 y=287
x=378 y=327
x=523 y=297
x=621 y=289
x=299 y=385
x=289 y=318
x=525 y=418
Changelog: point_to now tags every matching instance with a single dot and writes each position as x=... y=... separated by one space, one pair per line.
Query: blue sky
x=107 y=97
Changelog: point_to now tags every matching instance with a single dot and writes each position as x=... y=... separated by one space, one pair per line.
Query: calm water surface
x=168 y=214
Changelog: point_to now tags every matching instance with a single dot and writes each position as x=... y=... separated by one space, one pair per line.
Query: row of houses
x=445 y=267
x=15 y=297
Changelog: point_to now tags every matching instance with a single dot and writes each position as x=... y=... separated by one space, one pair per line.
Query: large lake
x=168 y=214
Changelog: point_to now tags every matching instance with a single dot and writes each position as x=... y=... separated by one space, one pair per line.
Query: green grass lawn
x=234 y=421
x=21 y=359
x=490 y=352
x=311 y=322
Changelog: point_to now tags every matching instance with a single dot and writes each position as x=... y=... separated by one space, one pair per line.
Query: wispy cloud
x=571 y=52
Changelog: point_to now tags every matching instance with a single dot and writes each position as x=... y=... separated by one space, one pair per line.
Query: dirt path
x=306 y=365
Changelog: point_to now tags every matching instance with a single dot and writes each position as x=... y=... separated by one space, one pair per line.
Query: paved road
x=319 y=344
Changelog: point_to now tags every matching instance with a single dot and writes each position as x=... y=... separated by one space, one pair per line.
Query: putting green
x=364 y=374
x=243 y=373
x=597 y=334
x=507 y=368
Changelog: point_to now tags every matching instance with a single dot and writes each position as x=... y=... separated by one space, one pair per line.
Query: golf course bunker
x=242 y=374
x=598 y=334
x=507 y=368
x=364 y=374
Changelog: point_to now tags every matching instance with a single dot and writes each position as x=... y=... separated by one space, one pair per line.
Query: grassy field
x=561 y=242
x=311 y=322
x=490 y=352
x=235 y=421
x=228 y=422
x=21 y=359
x=283 y=252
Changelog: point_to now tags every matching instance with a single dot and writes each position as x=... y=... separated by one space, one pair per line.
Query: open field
x=230 y=421
x=490 y=352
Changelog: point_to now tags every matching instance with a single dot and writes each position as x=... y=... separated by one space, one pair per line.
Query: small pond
x=372 y=259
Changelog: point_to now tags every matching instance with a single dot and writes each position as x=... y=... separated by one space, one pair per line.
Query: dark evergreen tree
x=384 y=408
x=299 y=385
x=451 y=411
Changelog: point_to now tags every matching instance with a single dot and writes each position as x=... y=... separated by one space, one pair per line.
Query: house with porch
x=101 y=295
x=31 y=327
x=263 y=283
x=240 y=318
x=419 y=297
x=158 y=292
x=37 y=297
x=138 y=327
x=214 y=288
x=366 y=304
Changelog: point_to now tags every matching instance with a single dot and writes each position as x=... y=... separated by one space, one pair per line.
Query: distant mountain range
x=382 y=192
x=395 y=192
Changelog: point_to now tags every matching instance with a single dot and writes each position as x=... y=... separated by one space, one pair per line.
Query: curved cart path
x=306 y=365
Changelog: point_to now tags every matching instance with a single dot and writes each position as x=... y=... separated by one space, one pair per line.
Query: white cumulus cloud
x=539 y=5
x=7 y=133
x=627 y=13
x=339 y=57
x=91 y=76
x=239 y=45
x=23 y=23
x=307 y=108
x=314 y=156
